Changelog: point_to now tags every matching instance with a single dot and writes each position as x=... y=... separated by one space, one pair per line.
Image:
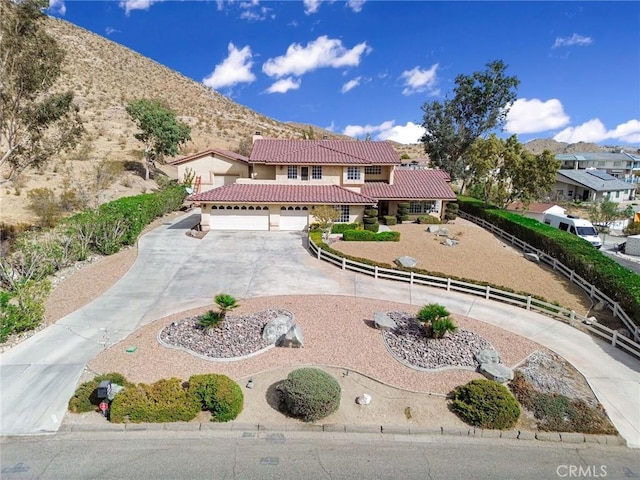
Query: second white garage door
x=239 y=218
x=294 y=218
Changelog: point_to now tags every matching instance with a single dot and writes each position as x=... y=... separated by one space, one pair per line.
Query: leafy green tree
x=532 y=176
x=35 y=125
x=161 y=133
x=480 y=104
x=326 y=216
x=605 y=213
x=486 y=160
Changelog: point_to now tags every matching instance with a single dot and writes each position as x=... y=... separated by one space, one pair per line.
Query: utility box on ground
x=633 y=245
x=103 y=389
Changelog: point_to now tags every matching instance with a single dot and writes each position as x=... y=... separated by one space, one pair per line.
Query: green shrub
x=428 y=220
x=431 y=312
x=84 y=399
x=616 y=281
x=371 y=212
x=219 y=394
x=341 y=227
x=451 y=211
x=369 y=236
x=441 y=326
x=633 y=228
x=558 y=413
x=310 y=394
x=210 y=320
x=22 y=309
x=372 y=227
x=164 y=401
x=369 y=221
x=403 y=212
x=390 y=220
x=486 y=404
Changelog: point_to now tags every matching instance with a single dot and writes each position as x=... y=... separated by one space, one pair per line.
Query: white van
x=576 y=225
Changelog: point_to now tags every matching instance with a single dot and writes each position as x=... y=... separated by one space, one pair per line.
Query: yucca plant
x=225 y=303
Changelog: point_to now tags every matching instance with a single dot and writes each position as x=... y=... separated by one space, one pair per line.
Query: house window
x=292 y=172
x=601 y=163
x=316 y=172
x=423 y=207
x=570 y=193
x=353 y=173
x=373 y=170
x=617 y=164
x=618 y=194
x=344 y=214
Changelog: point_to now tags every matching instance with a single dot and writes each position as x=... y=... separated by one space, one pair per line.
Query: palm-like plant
x=225 y=303
x=436 y=319
x=210 y=320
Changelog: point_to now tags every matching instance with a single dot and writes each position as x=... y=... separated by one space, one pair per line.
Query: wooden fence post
x=529 y=302
x=572 y=318
x=487 y=291
x=344 y=263
x=448 y=284
x=614 y=339
x=375 y=271
x=319 y=253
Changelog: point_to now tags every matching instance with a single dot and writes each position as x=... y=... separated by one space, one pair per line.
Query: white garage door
x=239 y=217
x=294 y=218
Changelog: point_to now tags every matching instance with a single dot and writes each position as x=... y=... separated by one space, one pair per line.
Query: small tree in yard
x=211 y=319
x=226 y=303
x=436 y=320
x=604 y=214
x=161 y=133
x=326 y=216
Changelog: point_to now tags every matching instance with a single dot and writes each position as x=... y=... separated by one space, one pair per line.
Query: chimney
x=256 y=136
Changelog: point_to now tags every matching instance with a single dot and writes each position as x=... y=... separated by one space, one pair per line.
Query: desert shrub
x=442 y=326
x=341 y=227
x=558 y=413
x=22 y=308
x=43 y=203
x=310 y=394
x=84 y=399
x=390 y=220
x=428 y=220
x=219 y=394
x=633 y=228
x=486 y=404
x=164 y=401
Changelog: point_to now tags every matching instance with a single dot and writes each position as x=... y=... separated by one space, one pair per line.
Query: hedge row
x=369 y=236
x=615 y=281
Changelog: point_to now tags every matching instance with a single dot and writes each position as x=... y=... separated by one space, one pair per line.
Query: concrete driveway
x=174 y=272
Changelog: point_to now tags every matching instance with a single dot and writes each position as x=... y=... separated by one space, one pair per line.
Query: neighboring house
x=536 y=210
x=286 y=179
x=592 y=185
x=215 y=167
x=622 y=165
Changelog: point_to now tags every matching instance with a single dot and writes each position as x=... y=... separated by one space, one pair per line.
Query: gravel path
x=480 y=256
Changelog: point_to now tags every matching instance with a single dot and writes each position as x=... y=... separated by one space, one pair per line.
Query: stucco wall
x=209 y=166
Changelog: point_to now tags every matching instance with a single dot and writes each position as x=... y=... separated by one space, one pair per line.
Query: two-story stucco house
x=282 y=181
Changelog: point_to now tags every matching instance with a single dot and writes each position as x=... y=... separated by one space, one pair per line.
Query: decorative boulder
x=487 y=356
x=363 y=399
x=383 y=322
x=276 y=328
x=294 y=338
x=532 y=257
x=497 y=372
x=443 y=232
x=406 y=261
x=449 y=242
x=432 y=228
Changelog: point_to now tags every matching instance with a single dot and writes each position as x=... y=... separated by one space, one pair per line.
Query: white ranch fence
x=489 y=293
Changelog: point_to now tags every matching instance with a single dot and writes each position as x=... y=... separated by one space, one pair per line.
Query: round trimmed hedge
x=486 y=404
x=310 y=394
x=84 y=398
x=219 y=394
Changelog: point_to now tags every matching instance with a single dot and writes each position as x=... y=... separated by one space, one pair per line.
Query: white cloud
x=350 y=85
x=409 y=133
x=234 y=69
x=311 y=6
x=130 y=5
x=534 y=115
x=595 y=131
x=284 y=85
x=332 y=127
x=253 y=12
x=418 y=80
x=356 y=5
x=57 y=6
x=321 y=52
x=110 y=30
x=574 y=39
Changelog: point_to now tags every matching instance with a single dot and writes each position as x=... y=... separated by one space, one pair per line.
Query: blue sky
x=361 y=66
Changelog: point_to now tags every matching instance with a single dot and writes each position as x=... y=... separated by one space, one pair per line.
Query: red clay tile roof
x=265 y=193
x=412 y=184
x=323 y=152
x=211 y=151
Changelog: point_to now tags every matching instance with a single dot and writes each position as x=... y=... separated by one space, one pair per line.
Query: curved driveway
x=174 y=272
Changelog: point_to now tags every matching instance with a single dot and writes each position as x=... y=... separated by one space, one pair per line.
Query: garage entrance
x=235 y=217
x=294 y=218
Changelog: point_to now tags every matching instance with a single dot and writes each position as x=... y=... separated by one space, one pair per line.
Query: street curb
x=471 y=432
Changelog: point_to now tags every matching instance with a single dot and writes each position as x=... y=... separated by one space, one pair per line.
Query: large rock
x=383 y=322
x=276 y=328
x=294 y=338
x=449 y=242
x=496 y=371
x=406 y=261
x=487 y=356
x=532 y=257
x=364 y=399
x=443 y=232
x=433 y=228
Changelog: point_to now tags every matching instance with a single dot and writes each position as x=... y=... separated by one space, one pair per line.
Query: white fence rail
x=523 y=301
x=594 y=293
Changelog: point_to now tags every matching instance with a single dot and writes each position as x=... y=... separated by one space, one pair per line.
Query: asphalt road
x=609 y=248
x=304 y=455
